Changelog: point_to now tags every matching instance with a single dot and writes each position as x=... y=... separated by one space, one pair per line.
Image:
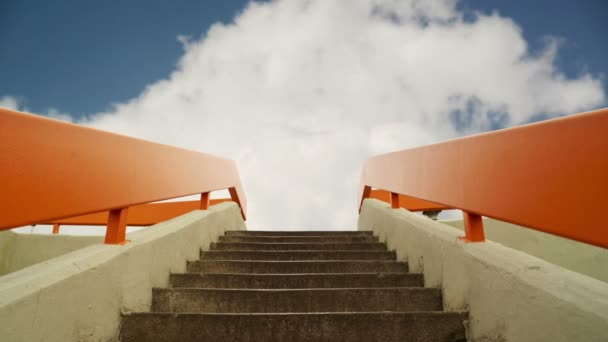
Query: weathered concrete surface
x=573 y=255
x=355 y=327
x=260 y=246
x=299 y=239
x=18 y=251
x=298 y=233
x=297 y=255
x=254 y=266
x=511 y=295
x=79 y=296
x=296 y=281
x=296 y=300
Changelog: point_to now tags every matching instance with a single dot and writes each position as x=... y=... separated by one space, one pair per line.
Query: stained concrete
x=291 y=305
x=296 y=300
x=300 y=239
x=297 y=255
x=79 y=296
x=315 y=266
x=260 y=246
x=573 y=255
x=295 y=281
x=298 y=233
x=296 y=327
x=18 y=251
x=511 y=295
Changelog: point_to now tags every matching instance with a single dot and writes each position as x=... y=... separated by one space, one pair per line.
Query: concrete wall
x=510 y=295
x=573 y=255
x=18 y=251
x=79 y=296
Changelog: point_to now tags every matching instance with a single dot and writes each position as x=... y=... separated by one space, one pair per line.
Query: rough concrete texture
x=296 y=300
x=260 y=246
x=315 y=266
x=297 y=255
x=298 y=233
x=282 y=300
x=79 y=296
x=295 y=281
x=18 y=251
x=573 y=255
x=296 y=327
x=275 y=239
x=511 y=296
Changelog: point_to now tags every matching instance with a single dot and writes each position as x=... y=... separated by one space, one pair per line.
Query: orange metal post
x=204 y=201
x=117 y=227
x=394 y=200
x=56 y=228
x=473 y=228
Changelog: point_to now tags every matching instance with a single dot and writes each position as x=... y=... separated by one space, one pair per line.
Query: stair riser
x=298 y=255
x=298 y=239
x=386 y=327
x=296 y=281
x=297 y=246
x=296 y=267
x=296 y=233
x=280 y=301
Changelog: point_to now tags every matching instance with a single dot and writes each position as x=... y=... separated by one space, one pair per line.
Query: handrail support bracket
x=473 y=228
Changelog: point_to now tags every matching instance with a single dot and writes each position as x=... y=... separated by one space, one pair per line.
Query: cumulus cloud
x=300 y=93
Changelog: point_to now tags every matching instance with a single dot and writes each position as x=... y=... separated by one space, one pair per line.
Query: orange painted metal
x=204 y=205
x=117 y=227
x=473 y=228
x=56 y=228
x=140 y=215
x=549 y=176
x=52 y=170
x=394 y=200
x=407 y=202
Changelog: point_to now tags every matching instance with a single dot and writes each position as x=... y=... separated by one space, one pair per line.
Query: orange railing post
x=204 y=201
x=117 y=227
x=394 y=200
x=473 y=227
x=56 y=228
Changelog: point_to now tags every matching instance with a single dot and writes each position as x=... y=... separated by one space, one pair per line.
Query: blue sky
x=298 y=92
x=81 y=56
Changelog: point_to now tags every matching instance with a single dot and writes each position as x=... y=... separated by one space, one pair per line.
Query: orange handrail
x=52 y=170
x=139 y=215
x=550 y=176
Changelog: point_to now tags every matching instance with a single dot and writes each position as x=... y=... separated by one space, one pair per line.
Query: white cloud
x=300 y=93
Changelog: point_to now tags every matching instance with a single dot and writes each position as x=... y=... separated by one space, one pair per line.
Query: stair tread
x=361 y=326
x=296 y=300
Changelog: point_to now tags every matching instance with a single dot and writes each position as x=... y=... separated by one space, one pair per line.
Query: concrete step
x=299 y=239
x=297 y=255
x=297 y=233
x=296 y=300
x=340 y=266
x=296 y=281
x=374 y=246
x=295 y=327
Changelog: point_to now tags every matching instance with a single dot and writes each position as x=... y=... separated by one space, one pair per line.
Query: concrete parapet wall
x=79 y=296
x=18 y=251
x=573 y=255
x=510 y=295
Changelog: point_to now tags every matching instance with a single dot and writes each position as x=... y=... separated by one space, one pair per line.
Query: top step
x=299 y=233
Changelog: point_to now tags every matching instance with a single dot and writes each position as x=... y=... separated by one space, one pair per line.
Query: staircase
x=296 y=286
